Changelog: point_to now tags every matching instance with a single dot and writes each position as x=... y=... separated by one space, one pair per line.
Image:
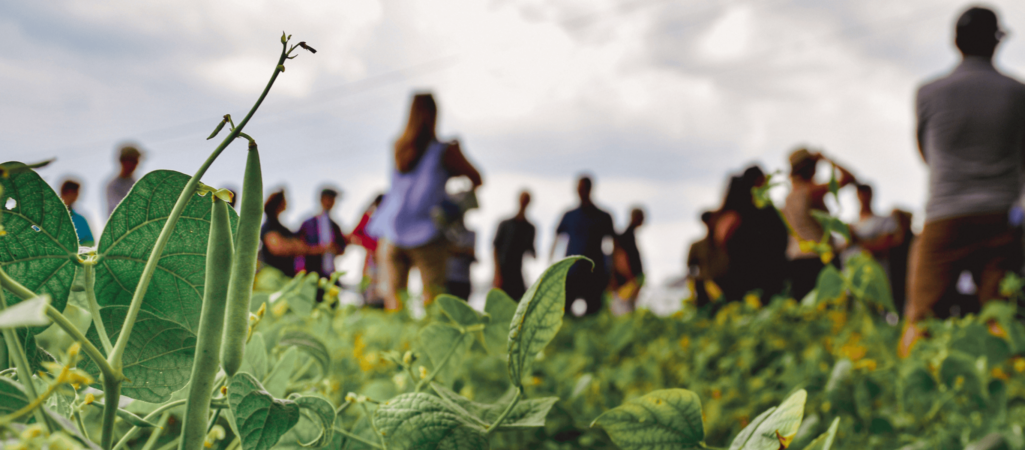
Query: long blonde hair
x=420 y=131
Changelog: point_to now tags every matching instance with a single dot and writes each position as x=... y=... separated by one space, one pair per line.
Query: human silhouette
x=118 y=187
x=404 y=222
x=321 y=229
x=69 y=194
x=514 y=239
x=586 y=227
x=971 y=134
x=279 y=245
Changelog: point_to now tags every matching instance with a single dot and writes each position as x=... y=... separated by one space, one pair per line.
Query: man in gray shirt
x=971 y=133
x=118 y=187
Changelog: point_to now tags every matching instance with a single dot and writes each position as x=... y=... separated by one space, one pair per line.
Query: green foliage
x=538 y=318
x=420 y=421
x=260 y=418
x=663 y=419
x=38 y=244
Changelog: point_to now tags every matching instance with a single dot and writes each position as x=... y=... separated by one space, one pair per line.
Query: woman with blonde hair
x=409 y=236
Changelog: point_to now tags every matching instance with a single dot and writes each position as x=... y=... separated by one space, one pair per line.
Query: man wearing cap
x=805 y=196
x=118 y=188
x=971 y=134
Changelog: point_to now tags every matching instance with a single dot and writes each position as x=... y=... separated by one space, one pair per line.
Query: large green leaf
x=419 y=421
x=255 y=357
x=12 y=396
x=301 y=293
x=526 y=414
x=664 y=419
x=158 y=358
x=870 y=280
x=308 y=343
x=40 y=245
x=776 y=429
x=438 y=340
x=261 y=419
x=459 y=311
x=321 y=412
x=29 y=313
x=538 y=318
x=175 y=292
x=825 y=441
x=830 y=284
x=501 y=308
x=277 y=380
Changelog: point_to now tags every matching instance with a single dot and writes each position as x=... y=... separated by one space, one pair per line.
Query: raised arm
x=457 y=164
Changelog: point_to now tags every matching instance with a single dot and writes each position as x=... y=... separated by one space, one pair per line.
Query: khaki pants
x=430 y=259
x=984 y=245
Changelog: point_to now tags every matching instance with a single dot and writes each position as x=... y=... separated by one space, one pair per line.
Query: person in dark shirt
x=279 y=245
x=513 y=240
x=586 y=227
x=322 y=229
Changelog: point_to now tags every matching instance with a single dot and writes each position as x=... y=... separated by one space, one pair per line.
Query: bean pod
x=211 y=323
x=247 y=243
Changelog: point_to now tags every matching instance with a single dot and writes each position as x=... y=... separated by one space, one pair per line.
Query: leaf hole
x=36 y=228
x=11 y=204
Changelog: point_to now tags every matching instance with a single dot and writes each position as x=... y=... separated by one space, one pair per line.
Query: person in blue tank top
x=409 y=236
x=69 y=194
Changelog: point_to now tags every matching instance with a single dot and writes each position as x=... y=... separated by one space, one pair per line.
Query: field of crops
x=156 y=340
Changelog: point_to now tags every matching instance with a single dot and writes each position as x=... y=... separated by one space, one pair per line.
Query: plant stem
x=81 y=425
x=34 y=406
x=302 y=371
x=170 y=445
x=135 y=430
x=17 y=353
x=111 y=399
x=370 y=418
x=165 y=234
x=441 y=364
x=155 y=435
x=94 y=306
x=88 y=348
x=508 y=409
x=356 y=438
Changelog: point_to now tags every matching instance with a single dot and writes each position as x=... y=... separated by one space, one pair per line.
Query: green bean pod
x=243 y=270
x=211 y=322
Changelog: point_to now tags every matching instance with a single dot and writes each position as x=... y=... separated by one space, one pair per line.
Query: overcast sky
x=659 y=99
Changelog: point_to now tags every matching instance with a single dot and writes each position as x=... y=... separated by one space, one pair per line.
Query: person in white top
x=118 y=187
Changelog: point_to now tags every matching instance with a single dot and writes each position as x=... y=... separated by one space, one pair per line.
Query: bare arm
x=282 y=246
x=498 y=271
x=457 y=164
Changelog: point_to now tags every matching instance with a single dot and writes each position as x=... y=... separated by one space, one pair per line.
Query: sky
x=660 y=100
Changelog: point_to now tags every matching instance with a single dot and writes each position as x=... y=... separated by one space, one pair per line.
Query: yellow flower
x=826 y=257
x=685 y=342
x=713 y=290
x=89 y=399
x=866 y=363
x=32 y=431
x=1019 y=364
x=999 y=374
x=74 y=349
x=423 y=372
x=753 y=301
x=263 y=310
x=279 y=309
x=958 y=382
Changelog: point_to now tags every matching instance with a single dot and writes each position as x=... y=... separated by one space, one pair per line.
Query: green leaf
x=663 y=419
x=132 y=419
x=261 y=419
x=422 y=422
x=301 y=293
x=825 y=441
x=459 y=311
x=749 y=431
x=308 y=343
x=277 y=380
x=158 y=358
x=33 y=352
x=870 y=279
x=830 y=284
x=437 y=340
x=526 y=414
x=322 y=413
x=12 y=396
x=779 y=425
x=28 y=313
x=538 y=318
x=255 y=357
x=175 y=292
x=831 y=224
x=40 y=246
x=501 y=308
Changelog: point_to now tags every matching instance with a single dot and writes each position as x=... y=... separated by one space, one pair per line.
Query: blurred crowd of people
x=970 y=132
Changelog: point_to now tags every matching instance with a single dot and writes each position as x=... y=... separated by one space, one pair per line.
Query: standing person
x=323 y=231
x=279 y=245
x=462 y=244
x=872 y=233
x=754 y=239
x=513 y=240
x=628 y=272
x=971 y=134
x=371 y=286
x=705 y=263
x=585 y=227
x=69 y=194
x=423 y=165
x=118 y=187
x=806 y=196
